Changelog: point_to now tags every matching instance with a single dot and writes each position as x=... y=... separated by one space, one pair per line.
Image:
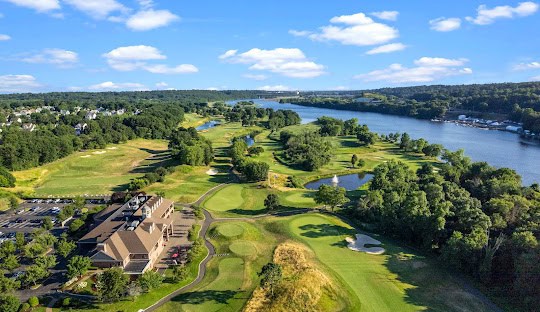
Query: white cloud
x=526 y=66
x=59 y=57
x=340 y=88
x=18 y=83
x=445 y=24
x=112 y=86
x=386 y=15
x=146 y=4
x=162 y=85
x=427 y=69
x=38 y=5
x=4 y=37
x=299 y=33
x=359 y=30
x=387 y=48
x=486 y=16
x=274 y=88
x=535 y=78
x=287 y=62
x=150 y=19
x=164 y=69
x=136 y=57
x=256 y=77
x=98 y=9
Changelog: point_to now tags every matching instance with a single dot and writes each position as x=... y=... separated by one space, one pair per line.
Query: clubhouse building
x=130 y=236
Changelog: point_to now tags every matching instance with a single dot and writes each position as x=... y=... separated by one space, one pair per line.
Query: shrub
x=66 y=302
x=24 y=307
x=33 y=301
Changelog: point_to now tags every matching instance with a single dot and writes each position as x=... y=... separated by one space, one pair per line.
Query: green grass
x=230 y=280
x=94 y=172
x=229 y=230
x=398 y=280
x=193 y=120
x=248 y=199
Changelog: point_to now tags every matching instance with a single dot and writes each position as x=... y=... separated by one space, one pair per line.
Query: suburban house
x=132 y=235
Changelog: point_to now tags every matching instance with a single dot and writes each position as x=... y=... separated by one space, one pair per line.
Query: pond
x=350 y=182
x=208 y=125
x=249 y=141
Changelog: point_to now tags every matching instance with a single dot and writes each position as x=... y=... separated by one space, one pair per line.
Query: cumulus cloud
x=59 y=57
x=357 y=29
x=387 y=48
x=38 y=5
x=275 y=88
x=386 y=15
x=4 y=37
x=150 y=19
x=445 y=24
x=286 y=62
x=18 y=83
x=256 y=77
x=526 y=66
x=427 y=69
x=112 y=86
x=98 y=9
x=136 y=58
x=486 y=16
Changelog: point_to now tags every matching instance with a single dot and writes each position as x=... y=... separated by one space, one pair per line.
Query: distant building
x=367 y=100
x=132 y=235
x=462 y=117
x=91 y=115
x=79 y=128
x=29 y=127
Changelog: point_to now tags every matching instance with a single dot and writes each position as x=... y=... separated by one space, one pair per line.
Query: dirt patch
x=212 y=172
x=86 y=156
x=112 y=148
x=99 y=152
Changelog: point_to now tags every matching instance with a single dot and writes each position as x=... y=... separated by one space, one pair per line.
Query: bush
x=66 y=302
x=33 y=302
x=24 y=307
x=294 y=182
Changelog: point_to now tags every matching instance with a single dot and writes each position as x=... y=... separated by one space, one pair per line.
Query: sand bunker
x=99 y=152
x=85 y=156
x=212 y=172
x=361 y=241
x=112 y=148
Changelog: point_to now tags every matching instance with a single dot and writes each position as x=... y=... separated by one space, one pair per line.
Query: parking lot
x=30 y=214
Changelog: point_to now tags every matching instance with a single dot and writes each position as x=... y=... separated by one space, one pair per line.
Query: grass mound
x=243 y=248
x=304 y=287
x=230 y=230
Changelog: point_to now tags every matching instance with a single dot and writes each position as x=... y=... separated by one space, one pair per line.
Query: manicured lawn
x=193 y=120
x=230 y=277
x=95 y=172
x=188 y=183
x=398 y=280
x=248 y=199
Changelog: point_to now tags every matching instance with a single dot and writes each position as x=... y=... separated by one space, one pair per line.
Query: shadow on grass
x=325 y=230
x=202 y=296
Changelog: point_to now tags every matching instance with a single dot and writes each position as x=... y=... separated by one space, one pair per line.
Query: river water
x=498 y=148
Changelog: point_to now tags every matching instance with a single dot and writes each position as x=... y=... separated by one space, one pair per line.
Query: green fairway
x=95 y=172
x=248 y=199
x=193 y=120
x=243 y=248
x=398 y=280
x=229 y=230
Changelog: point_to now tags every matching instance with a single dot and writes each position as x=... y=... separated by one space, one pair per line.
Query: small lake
x=350 y=182
x=249 y=141
x=208 y=125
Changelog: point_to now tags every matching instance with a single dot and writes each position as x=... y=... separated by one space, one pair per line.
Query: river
x=498 y=148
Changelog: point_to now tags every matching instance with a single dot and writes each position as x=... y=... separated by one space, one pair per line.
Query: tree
x=150 y=280
x=134 y=289
x=10 y=263
x=271 y=275
x=76 y=225
x=332 y=196
x=33 y=274
x=19 y=240
x=405 y=143
x=9 y=303
x=364 y=136
x=111 y=284
x=354 y=160
x=271 y=202
x=47 y=223
x=255 y=171
x=45 y=262
x=179 y=273
x=64 y=247
x=77 y=266
x=7 y=285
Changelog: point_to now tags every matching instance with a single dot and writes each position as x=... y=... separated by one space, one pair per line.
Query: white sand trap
x=212 y=172
x=361 y=241
x=85 y=156
x=112 y=148
x=99 y=152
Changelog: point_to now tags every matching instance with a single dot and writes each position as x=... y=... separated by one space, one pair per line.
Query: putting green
x=243 y=248
x=225 y=199
x=230 y=230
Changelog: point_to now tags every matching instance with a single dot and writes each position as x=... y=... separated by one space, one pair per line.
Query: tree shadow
x=200 y=297
x=324 y=230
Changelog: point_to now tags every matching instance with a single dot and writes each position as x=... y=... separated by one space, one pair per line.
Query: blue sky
x=102 y=45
